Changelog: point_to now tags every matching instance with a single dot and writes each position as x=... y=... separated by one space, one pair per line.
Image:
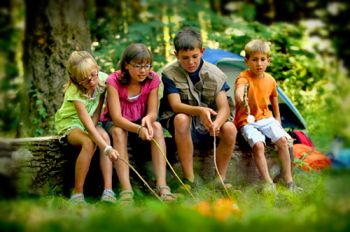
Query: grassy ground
x=323 y=206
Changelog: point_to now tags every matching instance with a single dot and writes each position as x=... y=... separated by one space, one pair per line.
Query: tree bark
x=54 y=28
x=9 y=73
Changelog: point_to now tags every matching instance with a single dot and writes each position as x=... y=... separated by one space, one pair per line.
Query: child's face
x=138 y=71
x=190 y=59
x=91 y=81
x=258 y=62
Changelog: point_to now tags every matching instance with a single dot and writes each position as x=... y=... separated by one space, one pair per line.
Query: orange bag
x=308 y=158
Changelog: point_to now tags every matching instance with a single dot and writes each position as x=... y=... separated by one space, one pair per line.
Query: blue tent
x=232 y=64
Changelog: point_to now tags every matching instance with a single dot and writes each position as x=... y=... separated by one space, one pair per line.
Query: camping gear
x=300 y=137
x=309 y=158
x=232 y=64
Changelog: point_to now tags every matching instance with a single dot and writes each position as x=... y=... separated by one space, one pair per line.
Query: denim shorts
x=201 y=138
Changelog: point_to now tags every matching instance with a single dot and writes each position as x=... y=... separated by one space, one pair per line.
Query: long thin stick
x=246 y=86
x=143 y=180
x=217 y=169
x=172 y=169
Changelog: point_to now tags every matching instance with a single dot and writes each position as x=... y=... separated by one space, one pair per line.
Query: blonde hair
x=80 y=64
x=256 y=45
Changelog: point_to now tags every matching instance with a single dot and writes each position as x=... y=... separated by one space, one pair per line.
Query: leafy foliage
x=323 y=206
x=303 y=59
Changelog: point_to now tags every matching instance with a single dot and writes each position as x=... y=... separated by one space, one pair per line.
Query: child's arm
x=116 y=114
x=203 y=112
x=239 y=93
x=96 y=116
x=223 y=112
x=91 y=128
x=152 y=111
x=275 y=108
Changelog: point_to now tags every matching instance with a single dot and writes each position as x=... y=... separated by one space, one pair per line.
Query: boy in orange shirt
x=254 y=90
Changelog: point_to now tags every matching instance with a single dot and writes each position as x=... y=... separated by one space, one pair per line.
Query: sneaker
x=108 y=196
x=217 y=184
x=77 y=199
x=292 y=187
x=269 y=188
x=187 y=185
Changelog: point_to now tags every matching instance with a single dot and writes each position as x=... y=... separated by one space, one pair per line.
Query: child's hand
x=146 y=122
x=144 y=134
x=111 y=153
x=205 y=116
x=214 y=130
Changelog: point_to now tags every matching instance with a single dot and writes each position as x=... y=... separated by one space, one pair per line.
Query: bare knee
x=105 y=137
x=259 y=148
x=88 y=146
x=229 y=133
x=182 y=123
x=157 y=129
x=282 y=143
x=117 y=134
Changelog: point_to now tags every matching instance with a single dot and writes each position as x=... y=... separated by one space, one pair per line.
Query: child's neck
x=134 y=88
x=90 y=92
x=257 y=75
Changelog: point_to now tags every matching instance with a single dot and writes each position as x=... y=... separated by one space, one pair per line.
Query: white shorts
x=269 y=127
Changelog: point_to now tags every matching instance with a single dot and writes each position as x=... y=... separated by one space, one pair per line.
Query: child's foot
x=187 y=184
x=77 y=198
x=126 y=197
x=108 y=196
x=292 y=187
x=269 y=188
x=165 y=193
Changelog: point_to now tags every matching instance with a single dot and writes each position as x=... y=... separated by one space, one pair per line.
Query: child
x=130 y=117
x=194 y=93
x=77 y=119
x=254 y=90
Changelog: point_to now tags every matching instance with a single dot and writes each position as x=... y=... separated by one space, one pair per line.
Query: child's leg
x=278 y=135
x=183 y=140
x=225 y=148
x=79 y=138
x=260 y=161
x=256 y=140
x=105 y=162
x=158 y=160
x=120 y=143
x=283 y=153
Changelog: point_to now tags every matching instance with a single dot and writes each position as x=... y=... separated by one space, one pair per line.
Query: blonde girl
x=78 y=117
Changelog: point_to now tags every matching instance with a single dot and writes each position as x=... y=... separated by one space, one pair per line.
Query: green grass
x=323 y=206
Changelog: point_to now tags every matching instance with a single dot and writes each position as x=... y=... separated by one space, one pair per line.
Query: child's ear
x=268 y=61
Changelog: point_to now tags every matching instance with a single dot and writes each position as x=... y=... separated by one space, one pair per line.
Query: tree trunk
x=54 y=28
x=9 y=73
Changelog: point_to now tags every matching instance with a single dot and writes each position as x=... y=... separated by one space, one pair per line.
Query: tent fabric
x=214 y=55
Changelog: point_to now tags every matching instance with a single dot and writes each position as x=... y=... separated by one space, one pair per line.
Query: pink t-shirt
x=132 y=109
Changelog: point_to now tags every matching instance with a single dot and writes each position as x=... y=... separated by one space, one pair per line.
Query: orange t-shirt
x=259 y=93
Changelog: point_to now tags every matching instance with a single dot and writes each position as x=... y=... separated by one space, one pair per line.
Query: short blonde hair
x=256 y=45
x=80 y=64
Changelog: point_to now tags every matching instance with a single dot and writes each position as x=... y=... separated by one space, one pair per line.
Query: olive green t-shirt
x=66 y=118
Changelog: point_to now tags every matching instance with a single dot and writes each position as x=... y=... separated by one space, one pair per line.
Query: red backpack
x=300 y=137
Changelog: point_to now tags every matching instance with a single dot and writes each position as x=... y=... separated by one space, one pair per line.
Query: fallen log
x=45 y=165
